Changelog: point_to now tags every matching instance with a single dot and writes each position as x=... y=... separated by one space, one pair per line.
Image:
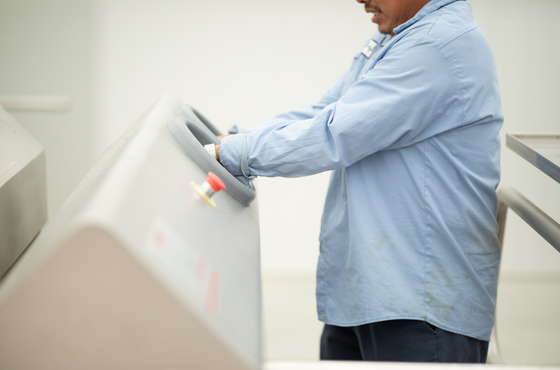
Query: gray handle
x=192 y=114
x=192 y=137
x=530 y=213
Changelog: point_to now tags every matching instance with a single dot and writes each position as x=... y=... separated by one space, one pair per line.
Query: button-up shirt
x=410 y=134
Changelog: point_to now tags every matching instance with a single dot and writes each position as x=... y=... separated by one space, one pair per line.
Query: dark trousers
x=400 y=340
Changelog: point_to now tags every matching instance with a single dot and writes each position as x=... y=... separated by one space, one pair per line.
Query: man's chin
x=385 y=30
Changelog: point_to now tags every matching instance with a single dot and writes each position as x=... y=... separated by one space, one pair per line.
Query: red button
x=215 y=182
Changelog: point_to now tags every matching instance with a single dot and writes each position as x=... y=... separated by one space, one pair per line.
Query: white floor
x=291 y=327
x=528 y=318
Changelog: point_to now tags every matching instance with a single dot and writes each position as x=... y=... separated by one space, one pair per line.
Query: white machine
x=136 y=270
x=23 y=190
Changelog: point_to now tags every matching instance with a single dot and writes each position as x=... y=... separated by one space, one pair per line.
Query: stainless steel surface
x=136 y=271
x=542 y=150
x=23 y=194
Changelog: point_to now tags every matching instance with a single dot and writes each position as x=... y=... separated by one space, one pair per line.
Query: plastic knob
x=215 y=182
x=208 y=188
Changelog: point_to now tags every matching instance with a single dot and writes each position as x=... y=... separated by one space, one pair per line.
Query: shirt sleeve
x=329 y=97
x=413 y=93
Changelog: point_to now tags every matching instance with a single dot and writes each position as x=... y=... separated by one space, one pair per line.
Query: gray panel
x=112 y=314
x=201 y=265
x=23 y=195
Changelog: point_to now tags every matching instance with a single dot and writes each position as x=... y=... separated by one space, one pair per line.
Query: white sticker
x=368 y=49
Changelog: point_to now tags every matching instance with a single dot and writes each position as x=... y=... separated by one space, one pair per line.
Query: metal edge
x=532 y=156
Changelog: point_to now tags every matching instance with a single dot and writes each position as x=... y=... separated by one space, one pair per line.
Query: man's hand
x=221 y=137
x=218 y=150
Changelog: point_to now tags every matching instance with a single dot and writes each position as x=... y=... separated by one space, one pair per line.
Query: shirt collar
x=429 y=8
x=380 y=38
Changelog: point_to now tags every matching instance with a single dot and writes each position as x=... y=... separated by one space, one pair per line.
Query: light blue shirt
x=409 y=227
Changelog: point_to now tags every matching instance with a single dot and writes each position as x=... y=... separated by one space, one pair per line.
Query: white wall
x=241 y=62
x=45 y=49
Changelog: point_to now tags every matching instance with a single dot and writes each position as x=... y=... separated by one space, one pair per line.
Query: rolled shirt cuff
x=233 y=155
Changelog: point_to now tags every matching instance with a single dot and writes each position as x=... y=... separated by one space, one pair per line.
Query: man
x=409 y=253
